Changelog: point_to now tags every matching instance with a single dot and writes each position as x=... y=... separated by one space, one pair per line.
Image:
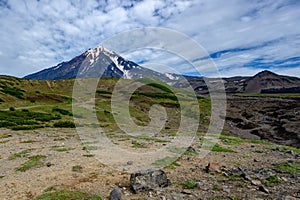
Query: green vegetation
x=230 y=140
x=145 y=137
x=162 y=87
x=234 y=177
x=64 y=124
x=217 y=187
x=53 y=99
x=61 y=149
x=183 y=151
x=293 y=168
x=89 y=155
x=89 y=148
x=33 y=162
x=24 y=120
x=77 y=168
x=282 y=96
x=186 y=184
x=28 y=141
x=13 y=91
x=50 y=188
x=62 y=111
x=20 y=154
x=30 y=127
x=169 y=162
x=66 y=195
x=218 y=148
x=2 y=136
x=271 y=180
x=136 y=144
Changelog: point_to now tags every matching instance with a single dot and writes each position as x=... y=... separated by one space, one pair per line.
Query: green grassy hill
x=30 y=104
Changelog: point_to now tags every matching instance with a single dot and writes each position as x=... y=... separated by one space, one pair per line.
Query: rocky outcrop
x=272 y=119
x=150 y=179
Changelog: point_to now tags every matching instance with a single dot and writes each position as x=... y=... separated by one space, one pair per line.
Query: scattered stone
x=263 y=189
x=284 y=179
x=150 y=179
x=185 y=191
x=191 y=149
x=125 y=169
x=254 y=160
x=202 y=186
x=290 y=198
x=213 y=167
x=163 y=198
x=130 y=162
x=48 y=164
x=115 y=194
x=9 y=135
x=256 y=182
x=244 y=175
x=291 y=152
x=226 y=189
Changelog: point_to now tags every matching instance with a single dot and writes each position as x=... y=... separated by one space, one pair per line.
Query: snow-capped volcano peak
x=101 y=63
x=97 y=62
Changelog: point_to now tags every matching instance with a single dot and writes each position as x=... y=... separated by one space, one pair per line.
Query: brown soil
x=96 y=178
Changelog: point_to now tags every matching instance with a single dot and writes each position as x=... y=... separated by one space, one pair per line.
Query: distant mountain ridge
x=111 y=65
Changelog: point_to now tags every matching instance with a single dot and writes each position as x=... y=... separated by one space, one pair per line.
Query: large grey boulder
x=149 y=179
x=115 y=194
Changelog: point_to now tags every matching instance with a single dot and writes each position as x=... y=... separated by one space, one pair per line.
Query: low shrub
x=64 y=124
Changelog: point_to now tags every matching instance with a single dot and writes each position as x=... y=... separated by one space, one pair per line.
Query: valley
x=40 y=145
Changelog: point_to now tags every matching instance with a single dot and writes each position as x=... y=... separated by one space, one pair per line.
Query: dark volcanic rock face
x=271 y=119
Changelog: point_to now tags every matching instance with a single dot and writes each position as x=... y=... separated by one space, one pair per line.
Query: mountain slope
x=264 y=82
x=98 y=62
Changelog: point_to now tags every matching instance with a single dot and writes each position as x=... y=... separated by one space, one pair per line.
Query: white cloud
x=39 y=34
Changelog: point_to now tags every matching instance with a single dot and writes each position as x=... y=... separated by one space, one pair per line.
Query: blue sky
x=242 y=37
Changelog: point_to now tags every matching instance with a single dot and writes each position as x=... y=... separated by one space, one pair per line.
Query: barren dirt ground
x=65 y=163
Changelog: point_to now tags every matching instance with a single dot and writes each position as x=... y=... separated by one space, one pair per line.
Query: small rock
x=256 y=182
x=213 y=167
x=163 y=198
x=126 y=194
x=244 y=175
x=9 y=135
x=125 y=169
x=202 y=186
x=284 y=179
x=191 y=149
x=254 y=160
x=130 y=162
x=115 y=194
x=150 y=179
x=185 y=191
x=48 y=164
x=226 y=189
x=291 y=152
x=263 y=189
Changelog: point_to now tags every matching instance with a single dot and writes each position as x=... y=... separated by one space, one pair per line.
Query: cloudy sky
x=242 y=37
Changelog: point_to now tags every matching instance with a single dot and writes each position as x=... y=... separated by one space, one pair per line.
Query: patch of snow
x=58 y=66
x=127 y=75
x=170 y=76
